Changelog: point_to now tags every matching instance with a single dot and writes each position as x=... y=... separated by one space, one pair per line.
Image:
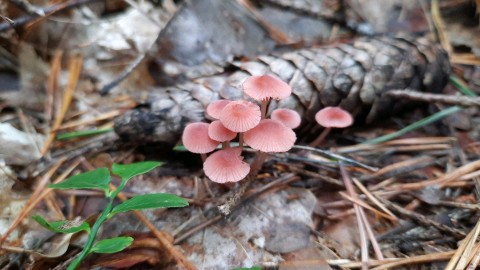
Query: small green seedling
x=100 y=179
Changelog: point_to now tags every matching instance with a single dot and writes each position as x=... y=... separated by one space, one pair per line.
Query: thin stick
x=461 y=257
x=394 y=262
x=361 y=228
x=75 y=67
x=374 y=199
x=443 y=180
x=47 y=11
x=365 y=205
x=336 y=156
x=400 y=211
x=464 y=101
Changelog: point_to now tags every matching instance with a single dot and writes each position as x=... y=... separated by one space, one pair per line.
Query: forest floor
x=69 y=70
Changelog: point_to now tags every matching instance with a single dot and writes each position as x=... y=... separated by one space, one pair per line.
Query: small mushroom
x=214 y=109
x=220 y=133
x=226 y=165
x=240 y=116
x=270 y=136
x=266 y=87
x=289 y=118
x=196 y=140
x=331 y=117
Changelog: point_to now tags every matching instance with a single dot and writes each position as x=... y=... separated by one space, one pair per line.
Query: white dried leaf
x=18 y=147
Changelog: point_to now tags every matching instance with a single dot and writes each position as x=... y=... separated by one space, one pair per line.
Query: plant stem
x=93 y=233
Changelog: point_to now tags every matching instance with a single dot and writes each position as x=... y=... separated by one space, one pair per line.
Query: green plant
x=100 y=179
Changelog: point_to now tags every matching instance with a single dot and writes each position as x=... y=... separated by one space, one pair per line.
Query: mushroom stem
x=237 y=195
x=258 y=161
x=226 y=145
x=240 y=140
x=263 y=108
x=204 y=157
x=320 y=138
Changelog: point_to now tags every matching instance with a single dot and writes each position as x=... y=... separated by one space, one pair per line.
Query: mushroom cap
x=270 y=136
x=289 y=118
x=220 y=133
x=226 y=166
x=335 y=117
x=195 y=138
x=240 y=115
x=266 y=87
x=214 y=109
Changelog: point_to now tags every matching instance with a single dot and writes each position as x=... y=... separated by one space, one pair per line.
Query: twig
x=363 y=204
x=275 y=33
x=27 y=7
x=476 y=260
x=47 y=11
x=429 y=97
x=461 y=257
x=421 y=219
x=75 y=67
x=374 y=199
x=418 y=259
x=363 y=223
x=402 y=167
x=336 y=156
x=123 y=75
x=445 y=179
x=325 y=178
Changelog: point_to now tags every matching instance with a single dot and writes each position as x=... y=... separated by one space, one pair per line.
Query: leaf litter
x=419 y=205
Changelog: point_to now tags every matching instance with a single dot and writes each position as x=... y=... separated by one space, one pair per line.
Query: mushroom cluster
x=249 y=122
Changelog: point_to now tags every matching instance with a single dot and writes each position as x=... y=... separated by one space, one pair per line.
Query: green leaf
x=64 y=226
x=149 y=201
x=112 y=245
x=127 y=171
x=99 y=178
x=251 y=268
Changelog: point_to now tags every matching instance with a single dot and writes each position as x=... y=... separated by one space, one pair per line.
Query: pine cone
x=353 y=76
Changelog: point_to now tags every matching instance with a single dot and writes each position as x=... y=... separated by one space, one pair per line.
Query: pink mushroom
x=240 y=116
x=214 y=109
x=195 y=138
x=270 y=136
x=331 y=117
x=265 y=87
x=226 y=165
x=218 y=132
x=289 y=118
